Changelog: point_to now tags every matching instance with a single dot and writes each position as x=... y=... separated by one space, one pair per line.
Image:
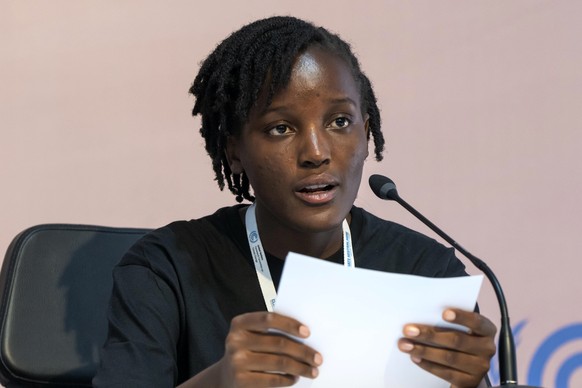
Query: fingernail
x=416 y=359
x=411 y=331
x=449 y=315
x=304 y=331
x=314 y=372
x=406 y=346
x=317 y=359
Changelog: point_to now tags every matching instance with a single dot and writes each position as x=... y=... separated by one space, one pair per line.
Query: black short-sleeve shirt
x=177 y=289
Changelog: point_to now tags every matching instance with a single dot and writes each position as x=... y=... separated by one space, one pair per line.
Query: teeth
x=314 y=188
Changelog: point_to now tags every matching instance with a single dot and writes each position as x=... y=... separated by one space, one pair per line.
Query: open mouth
x=317 y=194
x=316 y=188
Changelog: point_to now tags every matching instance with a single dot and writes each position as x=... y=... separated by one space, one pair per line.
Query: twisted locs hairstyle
x=230 y=79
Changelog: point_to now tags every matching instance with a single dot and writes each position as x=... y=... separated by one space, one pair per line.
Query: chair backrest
x=55 y=286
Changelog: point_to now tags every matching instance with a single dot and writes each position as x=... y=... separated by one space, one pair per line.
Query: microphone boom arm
x=385 y=188
x=506 y=346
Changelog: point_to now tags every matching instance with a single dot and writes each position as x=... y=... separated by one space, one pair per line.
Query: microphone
x=385 y=188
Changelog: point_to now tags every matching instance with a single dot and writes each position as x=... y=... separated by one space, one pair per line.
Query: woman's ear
x=232 y=155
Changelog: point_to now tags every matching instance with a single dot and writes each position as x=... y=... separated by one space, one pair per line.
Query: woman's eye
x=340 y=122
x=280 y=129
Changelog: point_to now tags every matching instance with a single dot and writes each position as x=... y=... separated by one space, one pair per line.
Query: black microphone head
x=383 y=187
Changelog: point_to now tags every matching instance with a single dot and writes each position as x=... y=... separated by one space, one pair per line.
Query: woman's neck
x=320 y=244
x=279 y=239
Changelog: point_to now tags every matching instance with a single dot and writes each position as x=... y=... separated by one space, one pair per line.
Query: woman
x=287 y=111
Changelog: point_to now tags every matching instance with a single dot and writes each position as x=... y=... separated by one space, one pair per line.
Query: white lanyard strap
x=349 y=260
x=260 y=260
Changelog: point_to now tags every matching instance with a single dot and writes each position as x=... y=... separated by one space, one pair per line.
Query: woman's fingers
x=261 y=379
x=273 y=344
x=254 y=333
x=262 y=322
x=446 y=357
x=456 y=377
x=449 y=339
x=478 y=340
x=261 y=353
x=475 y=322
x=279 y=363
x=462 y=358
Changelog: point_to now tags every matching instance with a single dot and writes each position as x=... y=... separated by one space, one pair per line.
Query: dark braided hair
x=230 y=79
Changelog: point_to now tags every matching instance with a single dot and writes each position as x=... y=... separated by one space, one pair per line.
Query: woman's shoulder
x=187 y=242
x=389 y=246
x=224 y=222
x=372 y=226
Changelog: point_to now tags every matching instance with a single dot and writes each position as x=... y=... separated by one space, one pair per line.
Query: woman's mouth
x=317 y=194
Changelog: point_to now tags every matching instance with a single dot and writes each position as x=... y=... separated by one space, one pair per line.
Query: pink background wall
x=481 y=102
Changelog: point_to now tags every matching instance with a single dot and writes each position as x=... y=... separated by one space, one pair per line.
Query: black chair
x=55 y=285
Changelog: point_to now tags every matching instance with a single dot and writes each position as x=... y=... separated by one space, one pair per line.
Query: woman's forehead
x=314 y=69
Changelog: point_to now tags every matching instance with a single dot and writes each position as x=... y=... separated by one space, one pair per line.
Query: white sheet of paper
x=356 y=317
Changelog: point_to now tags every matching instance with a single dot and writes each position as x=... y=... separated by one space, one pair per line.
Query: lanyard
x=260 y=260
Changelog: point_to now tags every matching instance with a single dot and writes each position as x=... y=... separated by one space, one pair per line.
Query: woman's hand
x=457 y=357
x=256 y=357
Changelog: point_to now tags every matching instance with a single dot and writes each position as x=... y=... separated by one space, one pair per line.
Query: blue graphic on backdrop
x=542 y=356
x=551 y=345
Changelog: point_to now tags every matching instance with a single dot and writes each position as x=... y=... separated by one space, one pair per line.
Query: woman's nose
x=315 y=148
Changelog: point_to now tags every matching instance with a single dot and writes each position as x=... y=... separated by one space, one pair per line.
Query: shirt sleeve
x=144 y=328
x=454 y=266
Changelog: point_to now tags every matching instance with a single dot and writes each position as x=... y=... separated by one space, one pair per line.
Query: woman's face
x=304 y=153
